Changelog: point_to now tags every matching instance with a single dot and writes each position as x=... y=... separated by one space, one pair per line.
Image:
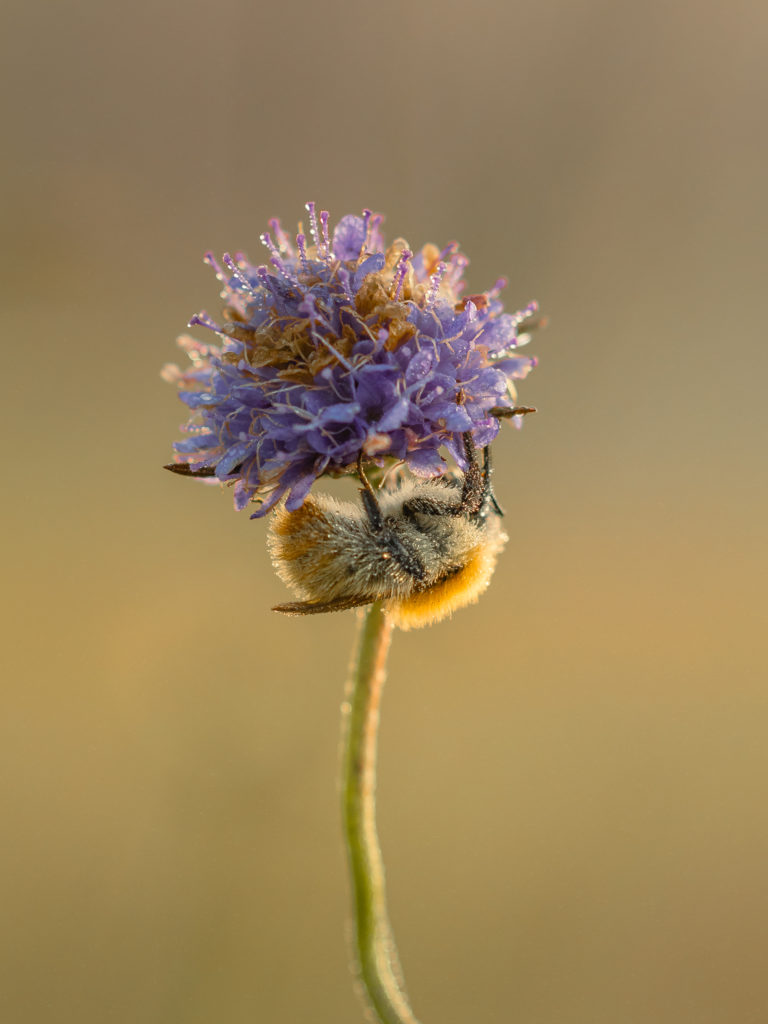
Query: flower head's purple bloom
x=341 y=346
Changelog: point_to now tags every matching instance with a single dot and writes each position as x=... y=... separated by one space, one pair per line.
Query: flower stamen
x=401 y=269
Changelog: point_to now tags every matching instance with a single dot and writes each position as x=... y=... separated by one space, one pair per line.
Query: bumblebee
x=423 y=549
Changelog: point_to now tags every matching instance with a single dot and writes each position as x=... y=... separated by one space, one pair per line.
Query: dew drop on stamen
x=366 y=231
x=434 y=283
x=212 y=262
x=276 y=261
x=202 y=319
x=236 y=272
x=324 y=215
x=283 y=240
x=310 y=207
x=301 y=242
x=523 y=314
x=400 y=271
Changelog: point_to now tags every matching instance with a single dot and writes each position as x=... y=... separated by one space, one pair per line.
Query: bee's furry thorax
x=423 y=565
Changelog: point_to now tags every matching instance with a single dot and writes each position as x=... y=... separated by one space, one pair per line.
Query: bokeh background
x=573 y=773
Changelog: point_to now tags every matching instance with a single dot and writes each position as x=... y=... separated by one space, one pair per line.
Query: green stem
x=376 y=955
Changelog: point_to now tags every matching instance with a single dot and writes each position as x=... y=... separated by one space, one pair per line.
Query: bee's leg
x=369 y=499
x=430 y=507
x=488 y=495
x=473 y=493
x=391 y=545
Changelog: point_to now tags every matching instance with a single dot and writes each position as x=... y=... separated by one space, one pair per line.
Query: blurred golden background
x=573 y=772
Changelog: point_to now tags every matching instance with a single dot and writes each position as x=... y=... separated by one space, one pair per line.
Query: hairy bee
x=425 y=549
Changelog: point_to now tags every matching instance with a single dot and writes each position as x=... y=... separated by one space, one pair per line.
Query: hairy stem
x=376 y=956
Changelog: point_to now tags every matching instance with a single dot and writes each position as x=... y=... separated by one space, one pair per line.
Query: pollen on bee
x=285 y=522
x=294 y=543
x=425 y=607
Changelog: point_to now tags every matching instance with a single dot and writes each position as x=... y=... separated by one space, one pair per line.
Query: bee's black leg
x=473 y=493
x=391 y=545
x=488 y=495
x=477 y=492
x=430 y=507
x=369 y=499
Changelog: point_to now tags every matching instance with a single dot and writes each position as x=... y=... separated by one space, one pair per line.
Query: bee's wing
x=338 y=604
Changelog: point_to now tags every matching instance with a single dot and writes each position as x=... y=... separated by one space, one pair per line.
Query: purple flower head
x=339 y=346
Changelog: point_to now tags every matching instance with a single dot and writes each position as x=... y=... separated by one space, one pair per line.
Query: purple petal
x=372 y=265
x=348 y=237
x=419 y=366
x=501 y=333
x=458 y=419
x=485 y=431
x=236 y=454
x=516 y=366
x=395 y=416
x=426 y=463
x=299 y=491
